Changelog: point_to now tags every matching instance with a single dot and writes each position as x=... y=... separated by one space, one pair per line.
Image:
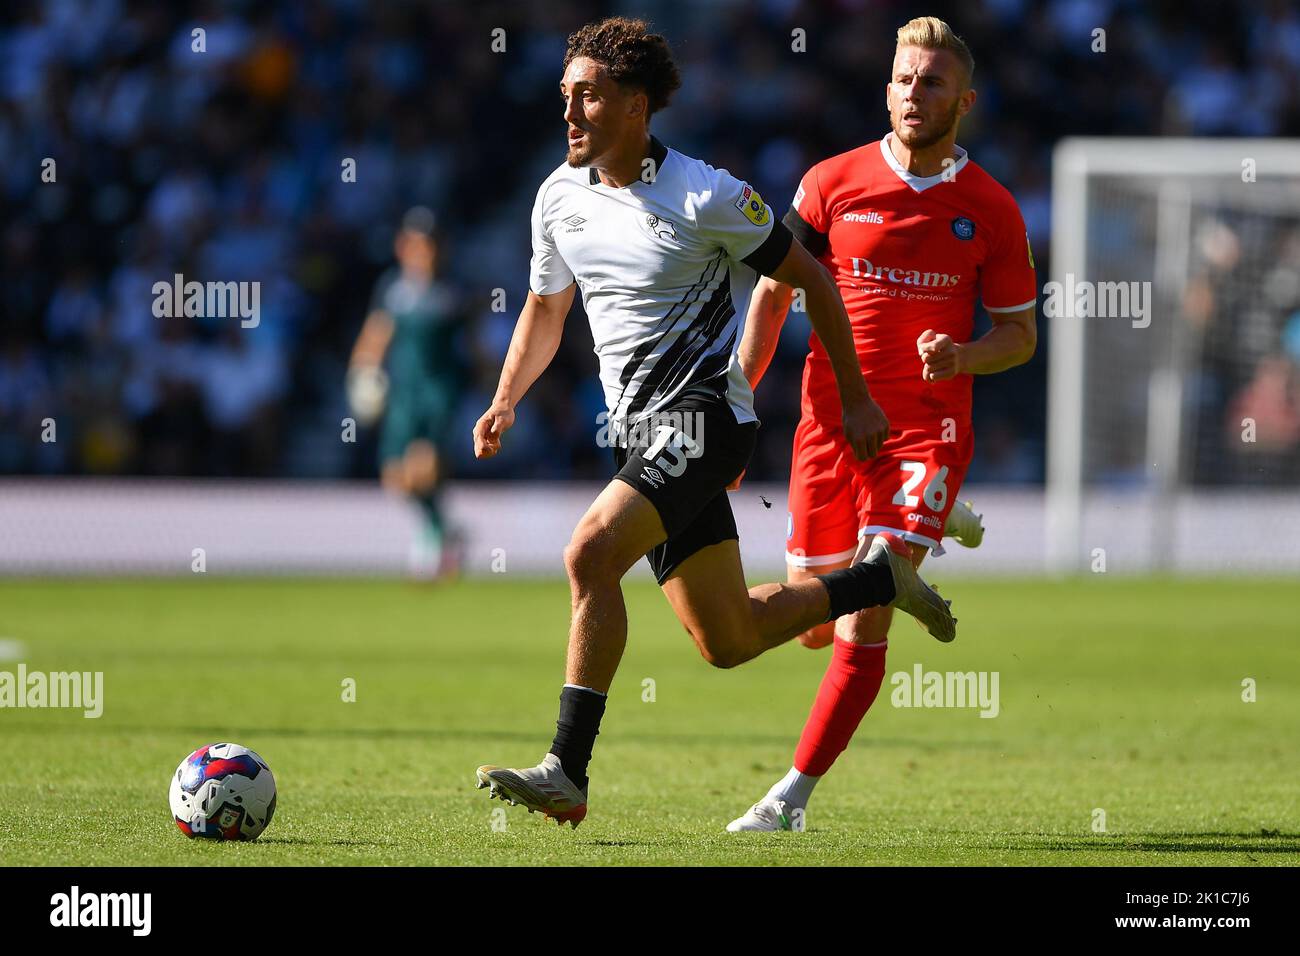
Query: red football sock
x=850 y=685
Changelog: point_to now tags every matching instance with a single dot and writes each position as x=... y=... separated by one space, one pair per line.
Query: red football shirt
x=909 y=253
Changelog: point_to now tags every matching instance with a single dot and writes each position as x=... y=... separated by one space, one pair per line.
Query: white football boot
x=911 y=594
x=766 y=816
x=964 y=526
x=544 y=787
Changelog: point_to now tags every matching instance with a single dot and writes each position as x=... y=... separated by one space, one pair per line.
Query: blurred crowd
x=213 y=140
x=1244 y=388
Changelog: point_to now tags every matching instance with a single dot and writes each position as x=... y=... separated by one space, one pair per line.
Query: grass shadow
x=432 y=734
x=1260 y=841
x=299 y=841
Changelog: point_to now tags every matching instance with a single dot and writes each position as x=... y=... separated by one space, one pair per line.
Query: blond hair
x=931 y=33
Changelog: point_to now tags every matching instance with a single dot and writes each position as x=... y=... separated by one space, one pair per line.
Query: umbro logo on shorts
x=653 y=475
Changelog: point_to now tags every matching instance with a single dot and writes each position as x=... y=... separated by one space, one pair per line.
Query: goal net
x=1174 y=376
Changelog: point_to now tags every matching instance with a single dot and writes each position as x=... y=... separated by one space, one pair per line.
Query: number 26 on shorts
x=935 y=493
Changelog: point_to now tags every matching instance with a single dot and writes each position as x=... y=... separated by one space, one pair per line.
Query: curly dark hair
x=634 y=56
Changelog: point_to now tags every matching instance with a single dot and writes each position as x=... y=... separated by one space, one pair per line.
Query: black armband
x=812 y=240
x=767 y=257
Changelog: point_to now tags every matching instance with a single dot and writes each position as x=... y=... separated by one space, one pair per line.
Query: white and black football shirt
x=660 y=265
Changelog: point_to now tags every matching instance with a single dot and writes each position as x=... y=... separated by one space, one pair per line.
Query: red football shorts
x=908 y=488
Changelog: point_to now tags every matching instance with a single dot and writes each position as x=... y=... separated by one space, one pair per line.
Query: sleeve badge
x=751 y=204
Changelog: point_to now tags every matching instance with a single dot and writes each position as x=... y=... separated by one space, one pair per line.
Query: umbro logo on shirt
x=574 y=223
x=871 y=217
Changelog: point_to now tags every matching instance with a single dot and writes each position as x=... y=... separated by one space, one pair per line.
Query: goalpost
x=1174 y=328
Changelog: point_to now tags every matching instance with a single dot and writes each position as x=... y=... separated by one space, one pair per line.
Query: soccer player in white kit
x=661 y=246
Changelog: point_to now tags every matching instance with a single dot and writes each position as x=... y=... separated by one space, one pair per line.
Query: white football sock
x=794 y=788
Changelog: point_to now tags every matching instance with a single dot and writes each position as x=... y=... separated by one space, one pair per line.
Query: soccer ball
x=223 y=792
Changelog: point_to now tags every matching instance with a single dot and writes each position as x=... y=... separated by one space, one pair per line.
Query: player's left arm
x=1009 y=343
x=1008 y=287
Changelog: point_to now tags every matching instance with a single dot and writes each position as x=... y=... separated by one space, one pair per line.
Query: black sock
x=575 y=731
x=860 y=586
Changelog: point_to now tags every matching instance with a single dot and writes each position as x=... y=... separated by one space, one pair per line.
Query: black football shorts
x=682 y=458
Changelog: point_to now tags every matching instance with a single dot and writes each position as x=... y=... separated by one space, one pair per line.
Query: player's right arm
x=865 y=426
x=768 y=307
x=366 y=384
x=534 y=343
x=372 y=343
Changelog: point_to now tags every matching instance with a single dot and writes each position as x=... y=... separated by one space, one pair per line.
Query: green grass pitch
x=1120 y=695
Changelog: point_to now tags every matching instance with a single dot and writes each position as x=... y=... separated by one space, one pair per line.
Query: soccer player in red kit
x=915 y=234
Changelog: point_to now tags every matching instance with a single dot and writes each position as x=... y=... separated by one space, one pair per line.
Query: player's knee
x=393 y=478
x=422 y=466
x=722 y=657
x=589 y=558
x=870 y=626
x=421 y=480
x=818 y=637
x=723 y=642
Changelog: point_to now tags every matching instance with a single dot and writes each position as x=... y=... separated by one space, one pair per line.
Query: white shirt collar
x=919 y=183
